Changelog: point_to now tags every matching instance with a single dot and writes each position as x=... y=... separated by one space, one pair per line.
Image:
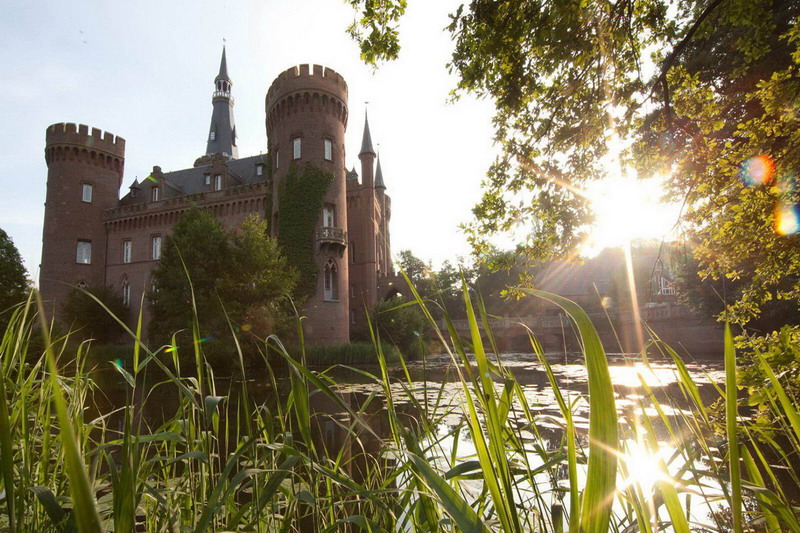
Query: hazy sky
x=144 y=70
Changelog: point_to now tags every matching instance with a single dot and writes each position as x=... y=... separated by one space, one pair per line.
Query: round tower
x=84 y=174
x=306 y=118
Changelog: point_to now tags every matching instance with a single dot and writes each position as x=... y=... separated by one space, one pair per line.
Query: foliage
x=198 y=247
x=13 y=278
x=300 y=203
x=356 y=353
x=239 y=276
x=88 y=319
x=692 y=90
x=317 y=455
x=400 y=323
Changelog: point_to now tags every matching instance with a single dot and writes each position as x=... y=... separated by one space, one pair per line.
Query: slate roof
x=192 y=180
x=366 y=141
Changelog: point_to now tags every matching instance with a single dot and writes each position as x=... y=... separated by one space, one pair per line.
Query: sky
x=144 y=70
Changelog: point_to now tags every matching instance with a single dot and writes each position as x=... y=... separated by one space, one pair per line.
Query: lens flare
x=607 y=302
x=119 y=363
x=246 y=327
x=151 y=178
x=171 y=349
x=787 y=219
x=758 y=170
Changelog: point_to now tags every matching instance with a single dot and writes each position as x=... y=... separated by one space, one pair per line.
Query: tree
x=401 y=323
x=88 y=319
x=239 y=276
x=695 y=90
x=13 y=278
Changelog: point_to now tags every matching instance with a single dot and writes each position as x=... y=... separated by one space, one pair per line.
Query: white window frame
x=212 y=136
x=86 y=192
x=155 y=241
x=328 y=147
x=154 y=194
x=83 y=252
x=329 y=216
x=259 y=170
x=127 y=250
x=218 y=182
x=297 y=148
x=208 y=179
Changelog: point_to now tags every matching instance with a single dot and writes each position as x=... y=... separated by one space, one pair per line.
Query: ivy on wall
x=300 y=203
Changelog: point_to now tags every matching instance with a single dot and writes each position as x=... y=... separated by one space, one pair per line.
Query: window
x=208 y=179
x=259 y=170
x=84 y=253
x=277 y=157
x=328 y=218
x=297 y=147
x=352 y=317
x=331 y=285
x=82 y=284
x=154 y=194
x=87 y=193
x=133 y=193
x=352 y=291
x=126 y=293
x=352 y=247
x=218 y=182
x=212 y=136
x=328 y=149
x=126 y=251
x=156 y=247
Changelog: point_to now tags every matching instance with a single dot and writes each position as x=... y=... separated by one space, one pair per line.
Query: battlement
x=307 y=77
x=80 y=135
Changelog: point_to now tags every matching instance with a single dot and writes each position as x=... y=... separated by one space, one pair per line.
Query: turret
x=366 y=155
x=222 y=133
x=84 y=174
x=306 y=110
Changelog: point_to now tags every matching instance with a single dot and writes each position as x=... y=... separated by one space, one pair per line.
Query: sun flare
x=627 y=208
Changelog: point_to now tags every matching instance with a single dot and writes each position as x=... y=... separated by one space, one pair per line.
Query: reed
x=293 y=450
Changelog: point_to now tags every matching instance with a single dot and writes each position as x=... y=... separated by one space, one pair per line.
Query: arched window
x=331 y=281
x=126 y=292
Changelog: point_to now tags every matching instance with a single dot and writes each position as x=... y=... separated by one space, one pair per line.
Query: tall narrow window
x=126 y=251
x=87 y=193
x=126 y=293
x=218 y=182
x=328 y=149
x=208 y=179
x=154 y=194
x=156 y=247
x=259 y=170
x=277 y=157
x=297 y=147
x=212 y=136
x=328 y=216
x=352 y=247
x=83 y=253
x=331 y=282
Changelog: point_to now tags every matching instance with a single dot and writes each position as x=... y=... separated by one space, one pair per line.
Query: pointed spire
x=223 y=67
x=379 y=175
x=366 y=141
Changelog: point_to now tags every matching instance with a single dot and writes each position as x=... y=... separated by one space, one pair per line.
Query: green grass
x=314 y=457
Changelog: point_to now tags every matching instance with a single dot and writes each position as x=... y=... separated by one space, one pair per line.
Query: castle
x=92 y=237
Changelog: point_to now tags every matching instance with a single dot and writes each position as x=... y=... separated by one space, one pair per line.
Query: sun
x=627 y=208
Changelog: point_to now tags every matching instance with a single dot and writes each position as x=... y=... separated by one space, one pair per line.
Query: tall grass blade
x=83 y=501
x=731 y=417
x=601 y=475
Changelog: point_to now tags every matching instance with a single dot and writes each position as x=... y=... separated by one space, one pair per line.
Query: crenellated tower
x=306 y=118
x=84 y=174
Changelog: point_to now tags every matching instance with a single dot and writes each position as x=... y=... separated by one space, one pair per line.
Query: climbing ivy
x=300 y=203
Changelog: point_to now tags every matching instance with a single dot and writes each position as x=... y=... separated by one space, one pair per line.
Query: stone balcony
x=331 y=237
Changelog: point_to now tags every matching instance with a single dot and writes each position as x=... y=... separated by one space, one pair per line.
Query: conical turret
x=222 y=133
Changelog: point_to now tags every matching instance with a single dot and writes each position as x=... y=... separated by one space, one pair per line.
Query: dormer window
x=208 y=179
x=133 y=193
x=259 y=170
x=218 y=182
x=154 y=194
